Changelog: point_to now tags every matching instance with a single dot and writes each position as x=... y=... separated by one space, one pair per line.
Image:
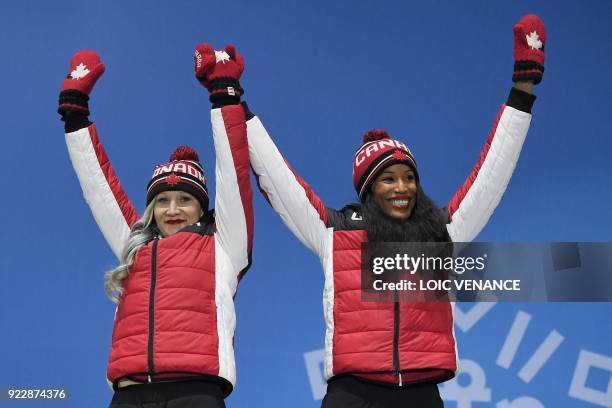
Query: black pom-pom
x=185 y=153
x=374 y=135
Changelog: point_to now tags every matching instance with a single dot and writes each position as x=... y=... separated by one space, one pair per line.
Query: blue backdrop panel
x=319 y=74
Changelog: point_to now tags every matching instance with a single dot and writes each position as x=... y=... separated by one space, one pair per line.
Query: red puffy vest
x=166 y=324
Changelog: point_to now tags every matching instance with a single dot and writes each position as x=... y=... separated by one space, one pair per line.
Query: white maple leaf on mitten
x=80 y=71
x=533 y=40
x=221 y=56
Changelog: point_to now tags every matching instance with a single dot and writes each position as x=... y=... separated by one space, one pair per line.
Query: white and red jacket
x=384 y=341
x=176 y=317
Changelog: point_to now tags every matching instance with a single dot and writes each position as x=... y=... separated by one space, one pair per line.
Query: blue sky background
x=319 y=74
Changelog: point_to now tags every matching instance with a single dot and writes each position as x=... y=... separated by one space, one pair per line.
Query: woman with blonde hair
x=180 y=263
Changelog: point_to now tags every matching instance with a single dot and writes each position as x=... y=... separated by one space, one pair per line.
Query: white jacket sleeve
x=111 y=208
x=234 y=196
x=298 y=206
x=472 y=205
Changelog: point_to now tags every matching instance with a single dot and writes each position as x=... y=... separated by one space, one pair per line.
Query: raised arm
x=291 y=197
x=472 y=205
x=234 y=196
x=301 y=210
x=111 y=208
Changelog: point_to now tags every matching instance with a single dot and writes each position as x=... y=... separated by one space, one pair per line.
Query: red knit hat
x=378 y=152
x=183 y=173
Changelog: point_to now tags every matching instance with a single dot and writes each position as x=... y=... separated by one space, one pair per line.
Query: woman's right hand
x=529 y=44
x=219 y=72
x=85 y=69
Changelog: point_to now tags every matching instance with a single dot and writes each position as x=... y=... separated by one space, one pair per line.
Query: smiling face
x=394 y=190
x=174 y=210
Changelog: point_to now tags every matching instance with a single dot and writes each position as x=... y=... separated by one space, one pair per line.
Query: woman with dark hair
x=180 y=263
x=393 y=354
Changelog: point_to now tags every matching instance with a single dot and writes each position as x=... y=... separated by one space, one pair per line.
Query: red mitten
x=204 y=60
x=529 y=41
x=85 y=69
x=219 y=72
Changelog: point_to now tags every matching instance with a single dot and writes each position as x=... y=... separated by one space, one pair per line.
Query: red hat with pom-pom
x=378 y=152
x=183 y=173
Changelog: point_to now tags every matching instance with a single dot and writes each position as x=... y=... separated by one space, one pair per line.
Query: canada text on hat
x=373 y=147
x=188 y=167
x=183 y=173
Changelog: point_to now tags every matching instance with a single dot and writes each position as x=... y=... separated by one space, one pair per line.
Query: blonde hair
x=143 y=231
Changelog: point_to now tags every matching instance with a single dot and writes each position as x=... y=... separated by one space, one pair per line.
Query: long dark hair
x=388 y=237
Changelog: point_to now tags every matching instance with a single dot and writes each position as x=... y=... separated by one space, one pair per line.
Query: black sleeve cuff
x=74 y=108
x=521 y=100
x=248 y=115
x=220 y=94
x=74 y=120
x=221 y=100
